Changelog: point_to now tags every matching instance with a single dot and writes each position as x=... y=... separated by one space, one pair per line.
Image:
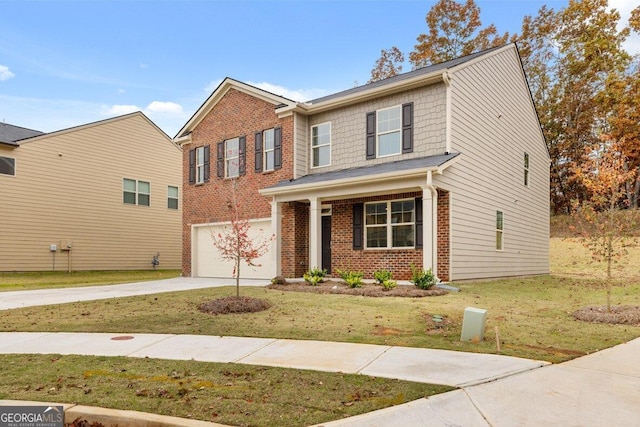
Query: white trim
x=388 y=132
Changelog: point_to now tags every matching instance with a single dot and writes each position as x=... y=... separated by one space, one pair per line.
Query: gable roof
x=419 y=72
x=227 y=84
x=101 y=122
x=11 y=135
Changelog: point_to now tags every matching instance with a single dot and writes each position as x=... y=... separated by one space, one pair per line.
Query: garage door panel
x=208 y=262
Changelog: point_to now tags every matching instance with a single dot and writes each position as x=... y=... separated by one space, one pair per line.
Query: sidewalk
x=601 y=389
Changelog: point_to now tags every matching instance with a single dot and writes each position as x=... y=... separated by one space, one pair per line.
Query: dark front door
x=326 y=243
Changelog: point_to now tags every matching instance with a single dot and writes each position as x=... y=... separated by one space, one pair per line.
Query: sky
x=68 y=63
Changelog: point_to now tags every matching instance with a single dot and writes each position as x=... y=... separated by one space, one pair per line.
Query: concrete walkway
x=601 y=389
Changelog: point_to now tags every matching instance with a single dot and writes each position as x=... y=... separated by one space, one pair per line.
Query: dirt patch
x=231 y=305
x=550 y=350
x=367 y=290
x=438 y=325
x=621 y=314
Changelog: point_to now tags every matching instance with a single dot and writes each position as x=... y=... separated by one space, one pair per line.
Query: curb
x=114 y=417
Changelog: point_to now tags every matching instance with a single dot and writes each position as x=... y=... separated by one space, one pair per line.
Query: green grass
x=60 y=279
x=533 y=316
x=224 y=393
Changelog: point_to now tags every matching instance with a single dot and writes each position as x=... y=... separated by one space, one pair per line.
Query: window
x=136 y=192
x=232 y=158
x=390 y=131
x=321 y=145
x=526 y=169
x=199 y=165
x=390 y=224
x=268 y=137
x=172 y=197
x=499 y=230
x=7 y=166
x=268 y=150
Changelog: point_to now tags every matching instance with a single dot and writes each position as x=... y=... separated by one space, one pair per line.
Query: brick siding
x=236 y=114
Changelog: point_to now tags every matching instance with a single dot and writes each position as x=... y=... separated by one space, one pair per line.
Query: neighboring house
x=444 y=167
x=102 y=196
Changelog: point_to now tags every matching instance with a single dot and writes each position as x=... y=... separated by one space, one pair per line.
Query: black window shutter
x=419 y=226
x=407 y=128
x=277 y=148
x=192 y=166
x=371 y=135
x=358 y=228
x=207 y=162
x=258 y=150
x=242 y=155
x=220 y=160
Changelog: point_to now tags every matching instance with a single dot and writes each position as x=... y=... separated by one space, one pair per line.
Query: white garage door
x=208 y=263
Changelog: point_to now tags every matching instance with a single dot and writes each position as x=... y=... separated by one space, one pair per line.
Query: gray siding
x=348 y=128
x=493 y=125
x=69 y=188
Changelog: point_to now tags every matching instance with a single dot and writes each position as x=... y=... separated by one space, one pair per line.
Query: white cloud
x=160 y=107
x=5 y=74
x=300 y=95
x=624 y=7
x=121 y=91
x=118 y=110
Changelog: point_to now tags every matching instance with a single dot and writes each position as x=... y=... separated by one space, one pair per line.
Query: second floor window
x=268 y=137
x=7 y=166
x=200 y=165
x=321 y=145
x=390 y=131
x=232 y=157
x=172 y=197
x=136 y=192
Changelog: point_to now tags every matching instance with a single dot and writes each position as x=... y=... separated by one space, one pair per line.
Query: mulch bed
x=621 y=314
x=230 y=305
x=367 y=290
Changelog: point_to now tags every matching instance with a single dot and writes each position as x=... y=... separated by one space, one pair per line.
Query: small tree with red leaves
x=234 y=242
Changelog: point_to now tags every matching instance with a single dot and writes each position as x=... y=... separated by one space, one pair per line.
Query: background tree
x=454 y=30
x=568 y=57
x=602 y=221
x=389 y=64
x=234 y=242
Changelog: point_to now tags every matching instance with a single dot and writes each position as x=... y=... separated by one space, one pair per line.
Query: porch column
x=315 y=233
x=429 y=228
x=276 y=229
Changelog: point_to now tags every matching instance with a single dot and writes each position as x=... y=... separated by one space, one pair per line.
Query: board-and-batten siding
x=493 y=125
x=69 y=188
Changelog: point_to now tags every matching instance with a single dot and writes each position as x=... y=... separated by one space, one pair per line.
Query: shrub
x=353 y=278
x=389 y=284
x=381 y=276
x=314 y=276
x=421 y=278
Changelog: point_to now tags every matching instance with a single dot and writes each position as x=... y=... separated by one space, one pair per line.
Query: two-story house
x=101 y=196
x=444 y=167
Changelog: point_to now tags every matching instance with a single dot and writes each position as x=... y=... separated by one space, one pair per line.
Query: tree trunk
x=238 y=278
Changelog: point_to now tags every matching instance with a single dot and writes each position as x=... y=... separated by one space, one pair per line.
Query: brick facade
x=236 y=114
x=444 y=240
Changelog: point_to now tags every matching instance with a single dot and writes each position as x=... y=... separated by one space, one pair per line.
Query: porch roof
x=363 y=176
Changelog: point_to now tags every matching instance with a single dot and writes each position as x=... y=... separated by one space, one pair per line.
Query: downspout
x=433 y=240
x=447 y=136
